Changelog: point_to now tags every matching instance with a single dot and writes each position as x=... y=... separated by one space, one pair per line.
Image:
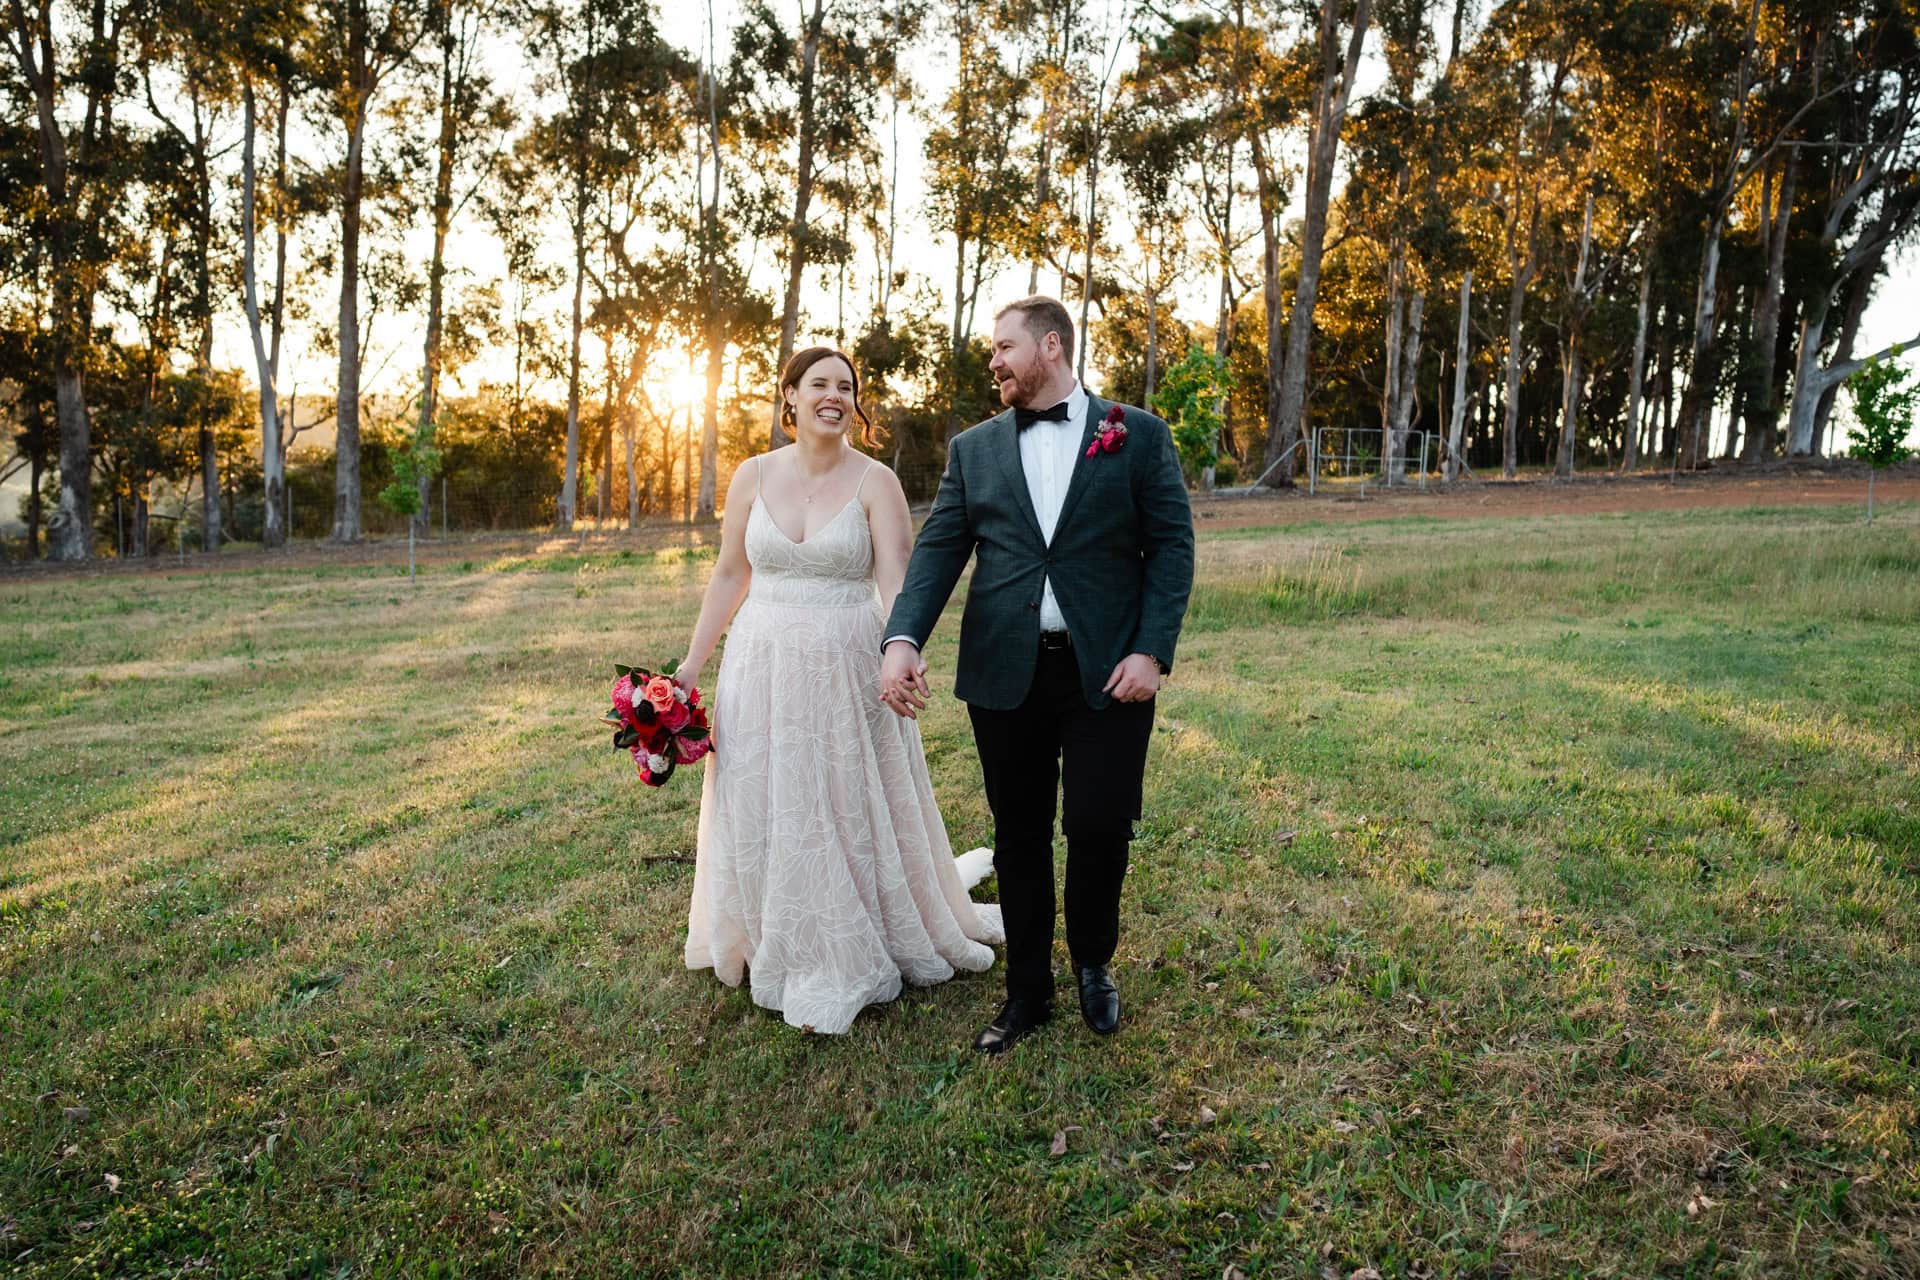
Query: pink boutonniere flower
x=1112 y=433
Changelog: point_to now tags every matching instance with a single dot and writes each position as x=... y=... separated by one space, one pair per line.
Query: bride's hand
x=686 y=678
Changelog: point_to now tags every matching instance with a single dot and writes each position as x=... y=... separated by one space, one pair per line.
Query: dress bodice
x=832 y=569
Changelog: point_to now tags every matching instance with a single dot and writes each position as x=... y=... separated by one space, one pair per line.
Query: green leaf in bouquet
x=621 y=669
x=612 y=719
x=626 y=738
x=693 y=734
x=670 y=666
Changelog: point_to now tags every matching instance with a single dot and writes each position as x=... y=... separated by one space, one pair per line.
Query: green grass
x=1526 y=898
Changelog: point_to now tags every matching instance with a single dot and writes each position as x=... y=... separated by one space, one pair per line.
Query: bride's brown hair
x=797 y=367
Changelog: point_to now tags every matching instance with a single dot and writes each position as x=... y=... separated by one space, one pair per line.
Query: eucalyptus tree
x=469 y=116
x=805 y=107
x=191 y=45
x=358 y=47
x=68 y=58
x=265 y=51
x=1337 y=62
x=1155 y=138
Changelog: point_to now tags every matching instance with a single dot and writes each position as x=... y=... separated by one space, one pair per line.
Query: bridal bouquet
x=661 y=724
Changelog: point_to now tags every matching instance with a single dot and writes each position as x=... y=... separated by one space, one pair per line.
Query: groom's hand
x=1136 y=679
x=903 y=679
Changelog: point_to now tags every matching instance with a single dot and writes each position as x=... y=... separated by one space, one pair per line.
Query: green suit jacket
x=1121 y=558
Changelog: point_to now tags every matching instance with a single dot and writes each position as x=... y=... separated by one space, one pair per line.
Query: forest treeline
x=1543 y=233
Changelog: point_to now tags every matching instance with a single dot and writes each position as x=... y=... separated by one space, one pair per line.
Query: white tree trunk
x=1408 y=392
x=1636 y=375
x=1456 y=430
x=273 y=464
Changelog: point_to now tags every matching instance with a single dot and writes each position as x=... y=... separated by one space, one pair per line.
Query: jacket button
x=1034 y=605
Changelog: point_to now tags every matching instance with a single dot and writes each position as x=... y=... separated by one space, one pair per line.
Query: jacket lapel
x=1082 y=465
x=1004 y=443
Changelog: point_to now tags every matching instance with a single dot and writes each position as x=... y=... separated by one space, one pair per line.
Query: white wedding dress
x=823 y=871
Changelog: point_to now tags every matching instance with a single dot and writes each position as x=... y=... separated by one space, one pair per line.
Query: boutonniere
x=1112 y=433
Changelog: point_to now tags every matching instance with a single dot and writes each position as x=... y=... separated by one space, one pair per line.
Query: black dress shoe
x=1016 y=1019
x=1099 y=998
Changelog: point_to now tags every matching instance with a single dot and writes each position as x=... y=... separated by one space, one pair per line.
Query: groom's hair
x=1043 y=315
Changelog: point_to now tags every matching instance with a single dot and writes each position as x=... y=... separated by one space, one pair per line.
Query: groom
x=1079 y=516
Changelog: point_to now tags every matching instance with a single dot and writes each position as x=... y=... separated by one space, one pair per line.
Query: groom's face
x=1019 y=362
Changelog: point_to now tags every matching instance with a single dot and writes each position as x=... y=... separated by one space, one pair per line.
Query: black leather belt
x=1056 y=640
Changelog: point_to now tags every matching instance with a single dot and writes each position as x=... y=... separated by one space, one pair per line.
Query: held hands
x=903 y=680
x=1136 y=679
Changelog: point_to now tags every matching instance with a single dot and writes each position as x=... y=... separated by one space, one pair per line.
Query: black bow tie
x=1024 y=418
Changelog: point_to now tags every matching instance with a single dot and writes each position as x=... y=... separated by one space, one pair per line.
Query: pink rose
x=659 y=692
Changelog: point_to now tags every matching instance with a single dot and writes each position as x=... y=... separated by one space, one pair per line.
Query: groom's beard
x=1019 y=390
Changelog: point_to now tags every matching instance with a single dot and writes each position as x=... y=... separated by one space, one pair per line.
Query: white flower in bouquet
x=656 y=764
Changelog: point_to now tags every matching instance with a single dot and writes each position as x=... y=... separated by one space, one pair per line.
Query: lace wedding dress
x=823 y=871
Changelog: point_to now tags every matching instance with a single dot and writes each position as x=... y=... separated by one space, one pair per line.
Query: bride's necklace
x=831 y=472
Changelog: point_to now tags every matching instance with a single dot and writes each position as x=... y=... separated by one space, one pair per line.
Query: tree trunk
x=1629 y=456
x=1336 y=87
x=633 y=479
x=1153 y=349
x=273 y=464
x=1390 y=383
x=346 y=471
x=1763 y=400
x=1570 y=377
x=1806 y=384
x=437 y=266
x=570 y=482
x=1456 y=429
x=1408 y=391
x=1515 y=363
x=70 y=529
x=1851 y=312
x=797 y=234
x=1276 y=335
x=203 y=303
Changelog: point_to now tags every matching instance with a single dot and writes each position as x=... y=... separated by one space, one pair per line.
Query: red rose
x=675 y=717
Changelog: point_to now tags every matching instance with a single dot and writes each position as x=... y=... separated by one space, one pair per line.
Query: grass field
x=1524 y=897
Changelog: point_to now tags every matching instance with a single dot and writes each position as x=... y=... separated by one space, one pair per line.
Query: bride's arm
x=892 y=527
x=731 y=575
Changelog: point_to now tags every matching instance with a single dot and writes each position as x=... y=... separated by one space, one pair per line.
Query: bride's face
x=823 y=401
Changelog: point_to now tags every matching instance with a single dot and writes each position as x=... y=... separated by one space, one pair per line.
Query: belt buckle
x=1055 y=640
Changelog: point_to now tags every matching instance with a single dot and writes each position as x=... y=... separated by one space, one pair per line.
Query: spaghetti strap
x=871 y=464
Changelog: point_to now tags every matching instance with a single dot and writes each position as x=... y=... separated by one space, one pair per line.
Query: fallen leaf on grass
x=1233 y=1273
x=1206 y=1115
x=1059 y=1147
x=1288 y=837
x=1343 y=1126
x=1185 y=1166
x=113 y=1183
x=1365 y=1273
x=1697 y=1202
x=79 y=1115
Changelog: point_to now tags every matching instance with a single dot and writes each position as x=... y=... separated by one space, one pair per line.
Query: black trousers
x=1026 y=755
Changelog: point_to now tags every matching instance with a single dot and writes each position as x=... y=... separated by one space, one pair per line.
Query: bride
x=823 y=869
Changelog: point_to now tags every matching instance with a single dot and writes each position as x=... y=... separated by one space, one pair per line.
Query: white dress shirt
x=1048 y=451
